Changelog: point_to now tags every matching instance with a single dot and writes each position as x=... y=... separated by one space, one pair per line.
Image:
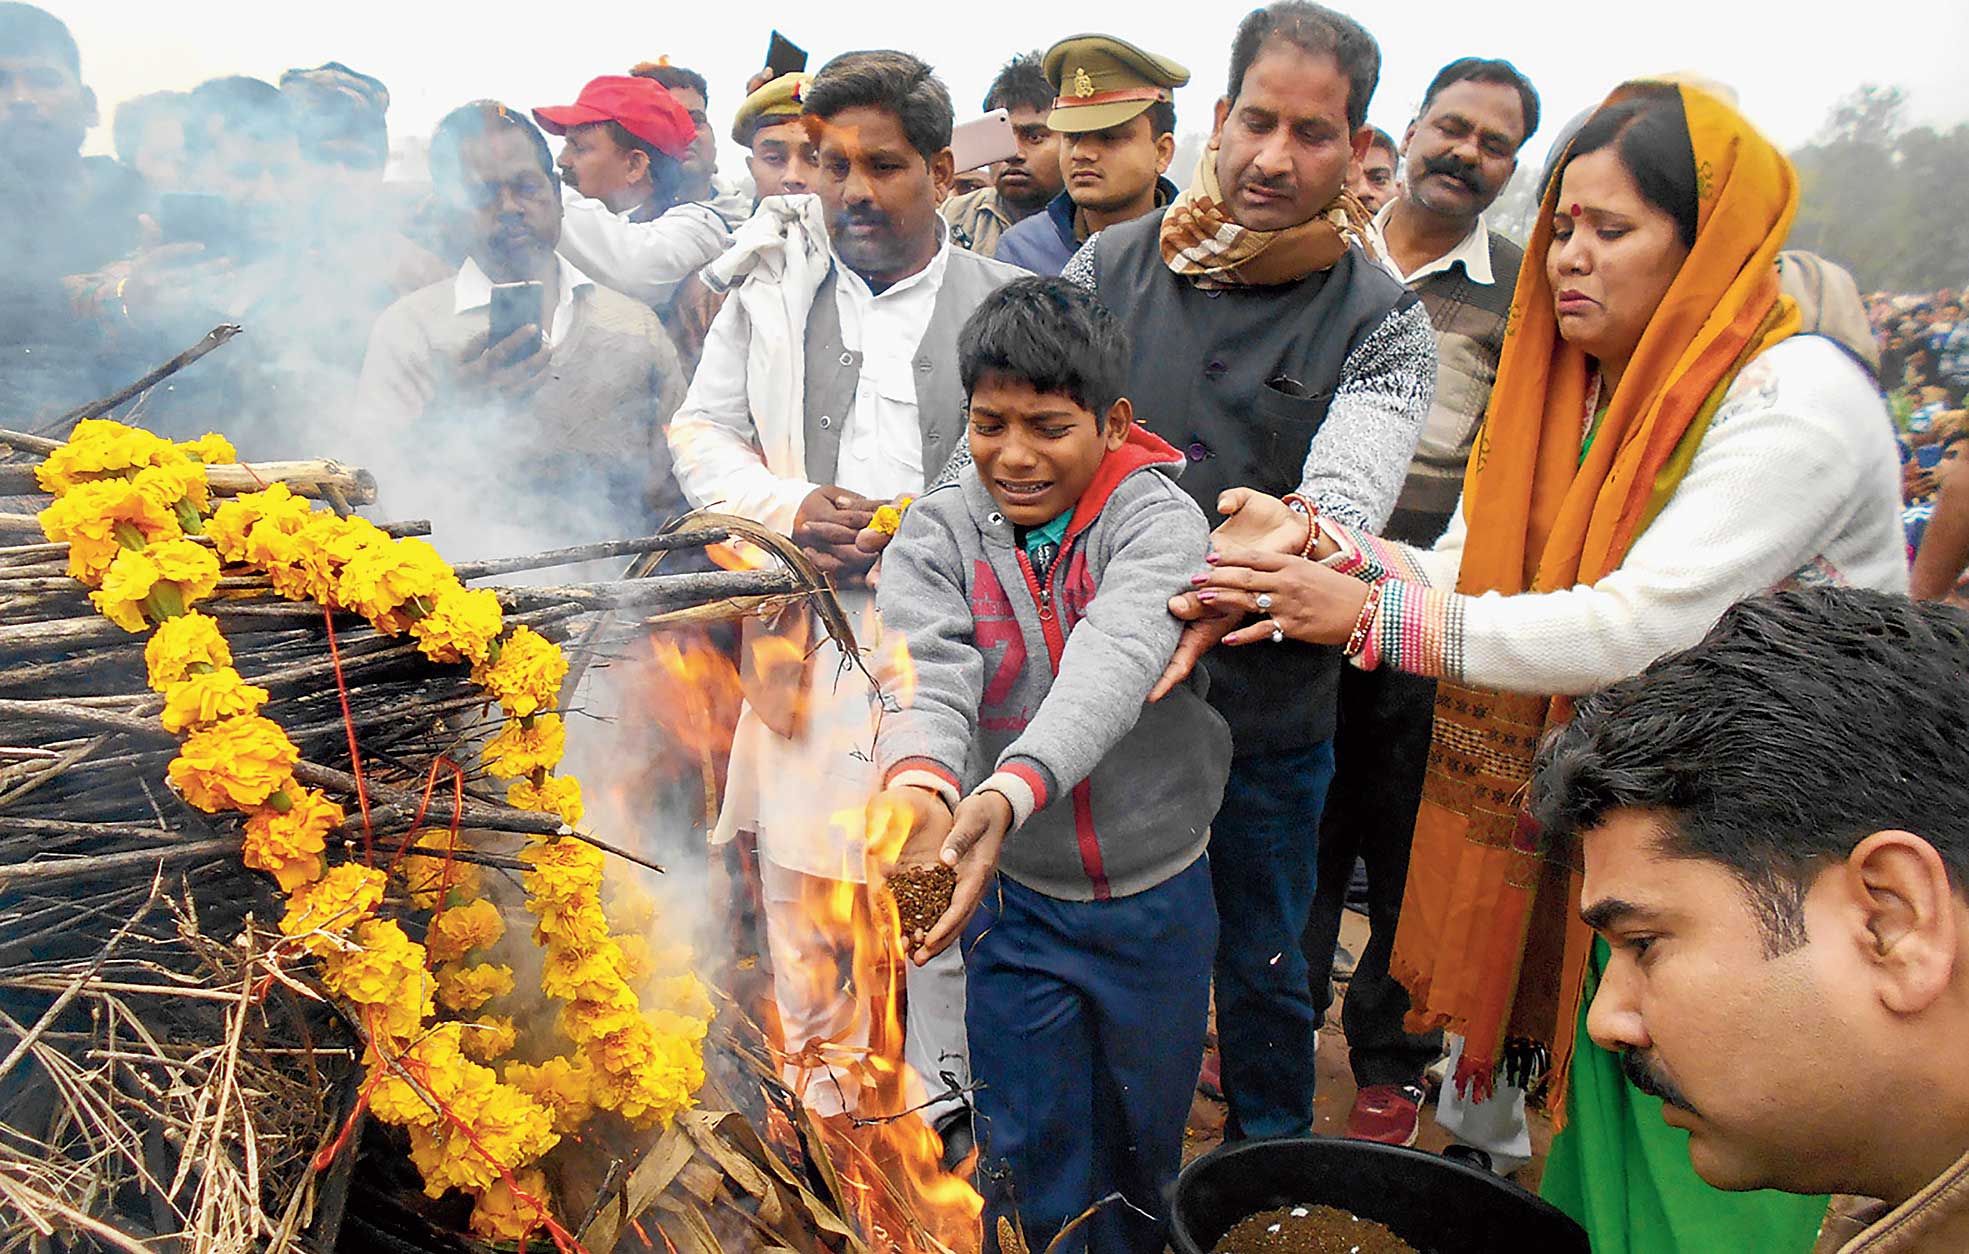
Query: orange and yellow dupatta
x=1490 y=943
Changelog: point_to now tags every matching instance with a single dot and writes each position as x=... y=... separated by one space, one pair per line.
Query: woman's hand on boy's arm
x=977 y=834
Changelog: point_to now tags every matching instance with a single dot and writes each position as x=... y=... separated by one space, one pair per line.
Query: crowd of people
x=1924 y=369
x=1478 y=508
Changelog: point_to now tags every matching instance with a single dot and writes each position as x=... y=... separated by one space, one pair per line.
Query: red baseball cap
x=642 y=105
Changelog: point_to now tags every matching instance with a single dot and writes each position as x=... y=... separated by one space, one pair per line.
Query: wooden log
x=215 y=338
x=665 y=592
x=112 y=864
x=69 y=714
x=591 y=552
x=22 y=442
x=391 y=804
x=314 y=478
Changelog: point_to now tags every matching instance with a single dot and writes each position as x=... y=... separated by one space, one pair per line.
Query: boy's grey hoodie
x=1043 y=689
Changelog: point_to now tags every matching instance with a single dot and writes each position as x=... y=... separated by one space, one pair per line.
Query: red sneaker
x=1210 y=1080
x=1387 y=1113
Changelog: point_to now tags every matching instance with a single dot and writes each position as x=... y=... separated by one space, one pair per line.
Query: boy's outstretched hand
x=906 y=827
x=977 y=833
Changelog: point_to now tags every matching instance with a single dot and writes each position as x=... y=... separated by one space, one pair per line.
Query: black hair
x=1649 y=130
x=1317 y=29
x=235 y=105
x=1802 y=723
x=1487 y=70
x=136 y=114
x=1162 y=118
x=1050 y=334
x=666 y=173
x=1021 y=84
x=675 y=76
x=895 y=82
x=27 y=30
x=1384 y=141
x=479 y=120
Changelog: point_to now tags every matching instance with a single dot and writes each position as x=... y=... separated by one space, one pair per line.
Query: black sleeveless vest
x=1239 y=380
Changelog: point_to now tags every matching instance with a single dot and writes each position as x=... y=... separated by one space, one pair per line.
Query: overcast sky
x=1788 y=64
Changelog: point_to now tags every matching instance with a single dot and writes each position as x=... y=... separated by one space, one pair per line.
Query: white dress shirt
x=473 y=290
x=882 y=444
x=1472 y=251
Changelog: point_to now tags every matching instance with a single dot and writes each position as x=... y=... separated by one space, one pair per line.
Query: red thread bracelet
x=1365 y=623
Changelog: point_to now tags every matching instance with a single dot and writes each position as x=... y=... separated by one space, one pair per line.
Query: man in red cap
x=621 y=165
x=625 y=139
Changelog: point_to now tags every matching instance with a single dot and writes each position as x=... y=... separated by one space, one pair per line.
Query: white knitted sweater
x=1796 y=481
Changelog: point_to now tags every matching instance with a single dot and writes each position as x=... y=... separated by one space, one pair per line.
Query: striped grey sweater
x=1469 y=319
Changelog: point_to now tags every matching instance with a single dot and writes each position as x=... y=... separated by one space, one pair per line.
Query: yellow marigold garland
x=128 y=502
x=524 y=746
x=235 y=764
x=202 y=699
x=183 y=646
x=888 y=518
x=94 y=518
x=523 y=672
x=458 y=930
x=465 y=989
x=289 y=843
x=157 y=581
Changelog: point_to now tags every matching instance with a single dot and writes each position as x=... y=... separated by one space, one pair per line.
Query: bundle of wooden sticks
x=161 y=1075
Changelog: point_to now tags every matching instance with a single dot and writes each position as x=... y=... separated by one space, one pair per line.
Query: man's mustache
x=1280 y=185
x=1642 y=1075
x=1462 y=171
x=852 y=216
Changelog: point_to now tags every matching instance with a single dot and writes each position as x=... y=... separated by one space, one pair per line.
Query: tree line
x=1885 y=199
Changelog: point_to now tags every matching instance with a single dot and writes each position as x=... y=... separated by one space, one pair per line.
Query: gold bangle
x=1312 y=513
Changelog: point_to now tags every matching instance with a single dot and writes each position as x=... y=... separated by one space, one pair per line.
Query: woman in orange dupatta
x=1659 y=443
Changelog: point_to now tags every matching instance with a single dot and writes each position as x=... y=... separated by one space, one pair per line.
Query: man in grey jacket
x=828 y=386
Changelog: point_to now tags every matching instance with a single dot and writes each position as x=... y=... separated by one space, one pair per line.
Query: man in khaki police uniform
x=1116 y=112
x=783 y=161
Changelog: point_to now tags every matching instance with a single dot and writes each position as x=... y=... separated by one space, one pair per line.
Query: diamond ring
x=1264 y=601
x=1278 y=633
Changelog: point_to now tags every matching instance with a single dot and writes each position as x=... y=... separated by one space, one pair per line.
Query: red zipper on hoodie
x=1085 y=837
x=1144 y=448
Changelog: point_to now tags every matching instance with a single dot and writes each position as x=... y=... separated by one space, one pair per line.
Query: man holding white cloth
x=829 y=386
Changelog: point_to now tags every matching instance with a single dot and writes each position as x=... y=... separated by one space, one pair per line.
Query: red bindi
x=1575 y=209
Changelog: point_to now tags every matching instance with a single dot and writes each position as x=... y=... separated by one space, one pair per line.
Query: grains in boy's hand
x=921 y=894
x=1310 y=1230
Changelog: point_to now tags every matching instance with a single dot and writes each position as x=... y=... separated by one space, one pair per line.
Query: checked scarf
x=1202 y=241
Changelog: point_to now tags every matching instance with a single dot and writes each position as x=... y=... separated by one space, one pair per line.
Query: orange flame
x=891 y=1161
x=894 y=669
x=736 y=554
x=680 y=699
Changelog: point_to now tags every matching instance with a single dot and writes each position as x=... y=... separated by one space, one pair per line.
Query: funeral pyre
x=273 y=781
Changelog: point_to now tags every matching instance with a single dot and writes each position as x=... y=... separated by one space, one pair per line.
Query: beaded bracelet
x=1294 y=501
x=1364 y=625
